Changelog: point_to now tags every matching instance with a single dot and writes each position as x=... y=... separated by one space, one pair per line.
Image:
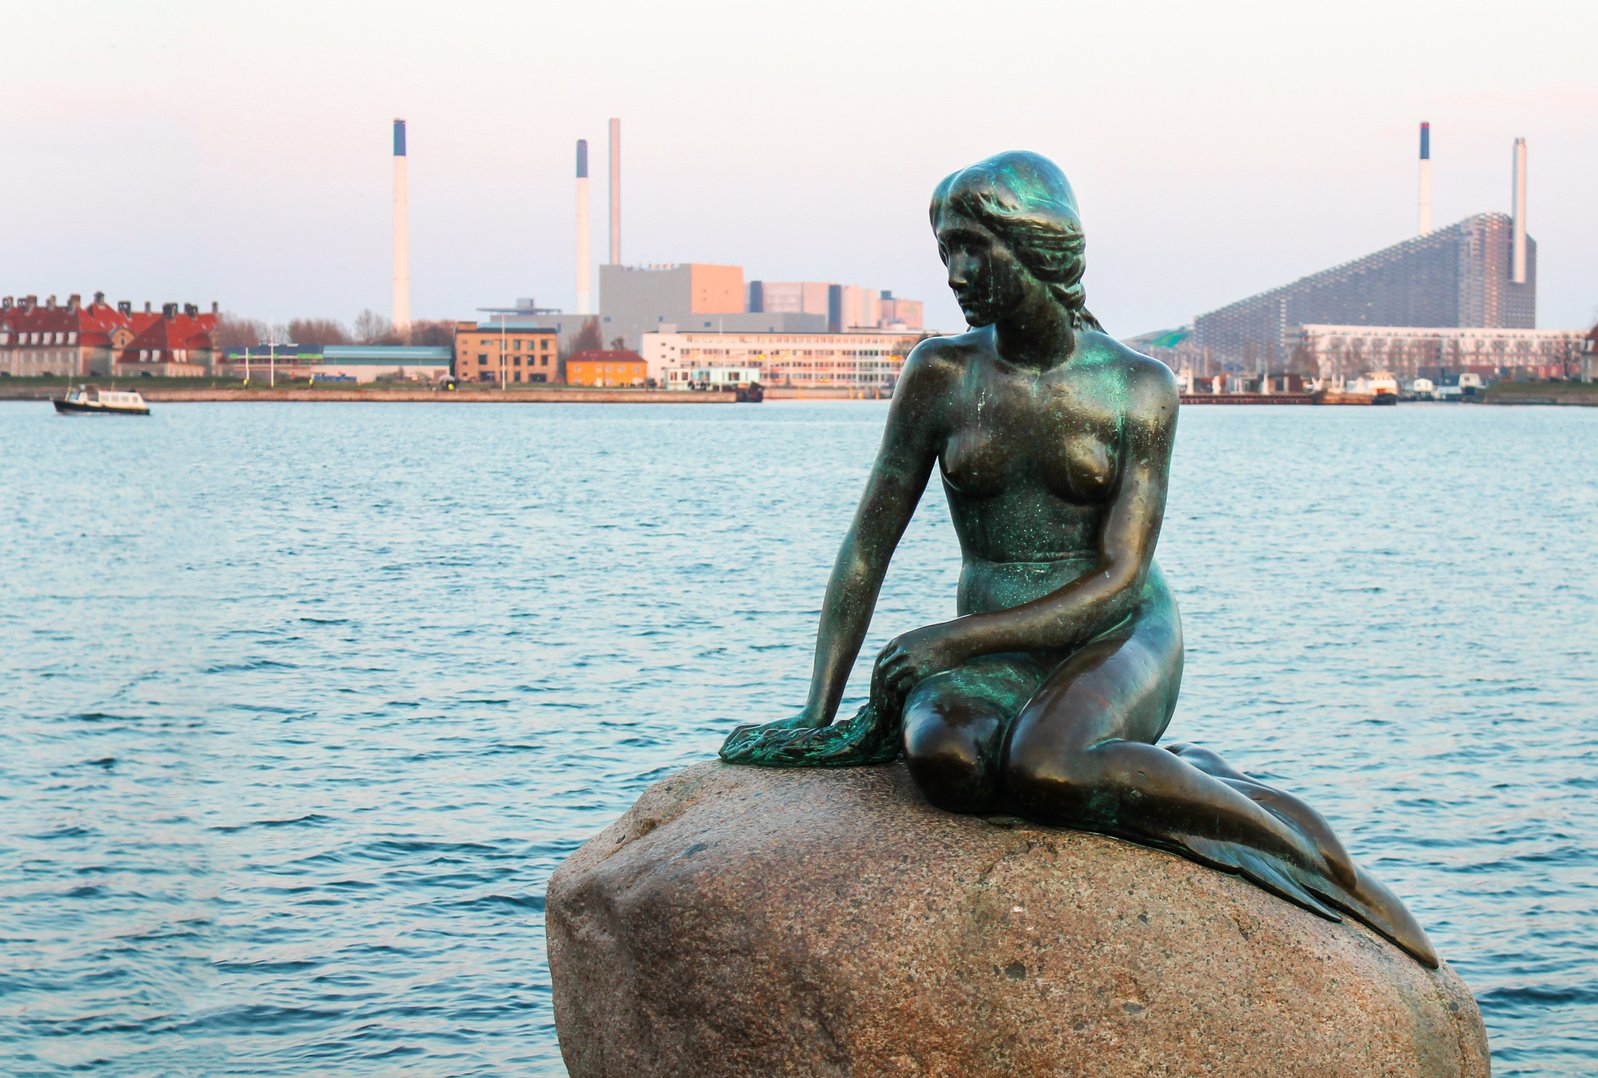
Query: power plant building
x=846 y=307
x=634 y=300
x=1458 y=276
x=1479 y=273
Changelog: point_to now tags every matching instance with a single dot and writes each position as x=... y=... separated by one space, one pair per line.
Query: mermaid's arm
x=904 y=463
x=897 y=481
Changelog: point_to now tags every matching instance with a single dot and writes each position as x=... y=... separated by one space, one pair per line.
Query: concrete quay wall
x=171 y=395
x=436 y=396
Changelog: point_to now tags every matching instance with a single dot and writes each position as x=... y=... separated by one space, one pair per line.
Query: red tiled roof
x=96 y=323
x=154 y=332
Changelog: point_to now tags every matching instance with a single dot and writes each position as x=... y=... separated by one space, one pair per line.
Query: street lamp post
x=272 y=344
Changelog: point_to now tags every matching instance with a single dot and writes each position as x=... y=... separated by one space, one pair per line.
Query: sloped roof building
x=78 y=340
x=1458 y=276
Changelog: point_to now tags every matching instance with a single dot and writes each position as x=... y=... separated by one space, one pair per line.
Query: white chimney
x=615 y=192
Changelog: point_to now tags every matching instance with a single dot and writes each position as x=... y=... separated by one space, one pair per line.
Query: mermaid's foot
x=1324 y=880
x=1379 y=908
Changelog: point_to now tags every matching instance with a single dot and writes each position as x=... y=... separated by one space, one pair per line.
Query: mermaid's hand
x=912 y=657
x=865 y=739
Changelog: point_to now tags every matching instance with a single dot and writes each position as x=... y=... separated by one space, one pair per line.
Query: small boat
x=92 y=400
x=1379 y=387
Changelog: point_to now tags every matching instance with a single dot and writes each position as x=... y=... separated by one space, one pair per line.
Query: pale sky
x=189 y=151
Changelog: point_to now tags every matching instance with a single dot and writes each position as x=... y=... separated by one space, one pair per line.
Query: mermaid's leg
x=1082 y=753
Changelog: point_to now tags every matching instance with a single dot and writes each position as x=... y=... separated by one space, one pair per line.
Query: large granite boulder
x=739 y=921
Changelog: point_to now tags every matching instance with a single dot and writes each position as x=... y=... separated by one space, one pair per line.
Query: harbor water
x=301 y=704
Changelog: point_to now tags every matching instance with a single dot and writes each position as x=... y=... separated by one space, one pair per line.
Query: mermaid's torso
x=1029 y=513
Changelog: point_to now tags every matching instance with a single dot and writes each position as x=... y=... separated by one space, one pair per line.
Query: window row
x=515 y=361
x=515 y=344
x=41 y=337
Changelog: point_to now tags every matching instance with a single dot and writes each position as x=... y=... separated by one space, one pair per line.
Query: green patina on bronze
x=1046 y=695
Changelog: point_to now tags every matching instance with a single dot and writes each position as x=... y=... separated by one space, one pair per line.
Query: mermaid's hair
x=1027 y=202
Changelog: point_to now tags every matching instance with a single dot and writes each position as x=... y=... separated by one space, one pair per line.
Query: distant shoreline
x=1574 y=394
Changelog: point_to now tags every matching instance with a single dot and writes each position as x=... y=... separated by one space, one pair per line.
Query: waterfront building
x=593 y=367
x=1339 y=354
x=339 y=362
x=45 y=339
x=261 y=362
x=384 y=362
x=711 y=379
x=507 y=353
x=1460 y=276
x=870 y=360
x=74 y=340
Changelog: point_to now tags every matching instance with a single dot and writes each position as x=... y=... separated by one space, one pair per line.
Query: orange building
x=506 y=355
x=596 y=368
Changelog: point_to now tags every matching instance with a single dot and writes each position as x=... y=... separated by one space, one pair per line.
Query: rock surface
x=741 y=921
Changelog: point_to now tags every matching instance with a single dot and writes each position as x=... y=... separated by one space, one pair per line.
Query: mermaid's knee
x=1066 y=788
x=952 y=764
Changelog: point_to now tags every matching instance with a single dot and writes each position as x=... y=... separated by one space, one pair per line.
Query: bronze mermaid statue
x=1046 y=695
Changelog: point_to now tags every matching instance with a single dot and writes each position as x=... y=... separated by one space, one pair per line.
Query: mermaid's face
x=987 y=280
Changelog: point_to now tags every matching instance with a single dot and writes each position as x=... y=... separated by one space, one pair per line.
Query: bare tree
x=236 y=331
x=433 y=333
x=320 y=331
x=372 y=328
x=588 y=338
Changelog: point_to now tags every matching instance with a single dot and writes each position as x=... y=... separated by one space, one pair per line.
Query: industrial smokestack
x=615 y=192
x=1425 y=215
x=401 y=316
x=584 y=274
x=1517 y=259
